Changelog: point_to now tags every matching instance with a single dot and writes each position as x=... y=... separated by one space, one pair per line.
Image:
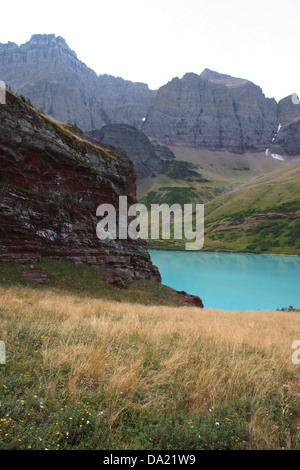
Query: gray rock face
x=212 y=111
x=148 y=158
x=125 y=102
x=287 y=142
x=48 y=72
x=136 y=144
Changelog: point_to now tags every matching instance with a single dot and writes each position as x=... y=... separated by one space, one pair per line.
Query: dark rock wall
x=136 y=145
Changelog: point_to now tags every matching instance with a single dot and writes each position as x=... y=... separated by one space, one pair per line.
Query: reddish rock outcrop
x=52 y=179
x=189 y=299
x=36 y=276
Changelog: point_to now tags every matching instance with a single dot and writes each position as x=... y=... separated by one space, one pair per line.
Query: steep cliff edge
x=53 y=177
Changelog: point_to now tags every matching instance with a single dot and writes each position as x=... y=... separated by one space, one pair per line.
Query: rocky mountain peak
x=47 y=41
x=220 y=78
x=9 y=46
x=48 y=72
x=212 y=111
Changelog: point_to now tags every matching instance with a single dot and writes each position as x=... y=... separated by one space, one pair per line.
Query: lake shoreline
x=232 y=281
x=222 y=252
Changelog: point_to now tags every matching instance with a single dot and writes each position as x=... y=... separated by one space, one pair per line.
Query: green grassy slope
x=261 y=216
x=219 y=173
x=86 y=281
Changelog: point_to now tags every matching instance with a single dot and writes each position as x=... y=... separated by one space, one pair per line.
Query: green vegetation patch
x=86 y=280
x=171 y=195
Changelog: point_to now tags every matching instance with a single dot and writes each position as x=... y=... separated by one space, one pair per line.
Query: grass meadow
x=91 y=373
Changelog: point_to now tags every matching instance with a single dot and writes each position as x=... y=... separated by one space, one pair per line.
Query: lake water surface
x=233 y=281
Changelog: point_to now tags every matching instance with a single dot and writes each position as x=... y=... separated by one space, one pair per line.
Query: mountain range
x=212 y=110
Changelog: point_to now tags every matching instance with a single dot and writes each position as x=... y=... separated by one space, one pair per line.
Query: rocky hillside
x=212 y=111
x=48 y=72
x=53 y=177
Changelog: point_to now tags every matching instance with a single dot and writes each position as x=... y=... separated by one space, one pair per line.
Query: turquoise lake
x=233 y=281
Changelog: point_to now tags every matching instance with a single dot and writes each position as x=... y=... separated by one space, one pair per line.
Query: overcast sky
x=152 y=41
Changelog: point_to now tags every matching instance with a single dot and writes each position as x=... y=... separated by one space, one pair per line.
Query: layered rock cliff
x=52 y=179
x=212 y=111
x=48 y=72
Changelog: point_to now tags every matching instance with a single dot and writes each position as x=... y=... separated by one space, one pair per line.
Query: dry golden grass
x=165 y=355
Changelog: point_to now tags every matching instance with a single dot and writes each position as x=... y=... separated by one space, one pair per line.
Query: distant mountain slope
x=288 y=109
x=261 y=217
x=149 y=158
x=287 y=141
x=219 y=172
